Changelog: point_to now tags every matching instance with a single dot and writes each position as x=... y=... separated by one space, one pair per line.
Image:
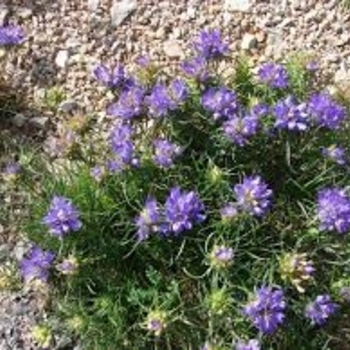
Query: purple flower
x=114 y=78
x=266 y=310
x=274 y=75
x=182 y=210
x=159 y=102
x=148 y=220
x=252 y=344
x=12 y=168
x=222 y=102
x=62 y=217
x=209 y=44
x=143 y=61
x=290 y=115
x=312 y=66
x=178 y=90
x=260 y=110
x=195 y=68
x=253 y=195
x=165 y=152
x=98 y=173
x=221 y=256
x=36 y=265
x=321 y=309
x=240 y=129
x=122 y=146
x=333 y=210
x=229 y=211
x=335 y=153
x=11 y=35
x=129 y=104
x=326 y=112
x=68 y=266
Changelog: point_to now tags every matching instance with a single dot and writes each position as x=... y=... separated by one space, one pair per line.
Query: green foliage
x=121 y=282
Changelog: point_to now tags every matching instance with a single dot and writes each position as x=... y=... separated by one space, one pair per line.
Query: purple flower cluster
x=182 y=210
x=112 y=78
x=221 y=256
x=11 y=35
x=36 y=265
x=266 y=310
x=165 y=152
x=122 y=146
x=291 y=115
x=195 y=68
x=239 y=129
x=209 y=44
x=178 y=91
x=252 y=344
x=221 y=101
x=62 y=217
x=129 y=104
x=274 y=75
x=336 y=154
x=326 y=112
x=321 y=309
x=228 y=211
x=253 y=195
x=333 y=210
x=148 y=220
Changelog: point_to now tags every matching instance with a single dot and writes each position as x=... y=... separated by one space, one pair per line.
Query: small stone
x=4 y=12
x=61 y=59
x=24 y=12
x=173 y=49
x=332 y=57
x=68 y=106
x=249 y=42
x=39 y=122
x=20 y=250
x=121 y=10
x=93 y=5
x=238 y=5
x=19 y=120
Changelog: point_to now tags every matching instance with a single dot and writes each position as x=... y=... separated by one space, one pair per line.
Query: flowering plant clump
x=206 y=211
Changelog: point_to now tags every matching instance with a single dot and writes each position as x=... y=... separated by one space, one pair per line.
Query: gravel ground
x=66 y=37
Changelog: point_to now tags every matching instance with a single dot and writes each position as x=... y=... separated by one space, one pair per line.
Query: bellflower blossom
x=36 y=265
x=336 y=154
x=222 y=102
x=266 y=310
x=209 y=44
x=68 y=266
x=183 y=210
x=122 y=145
x=252 y=344
x=165 y=152
x=333 y=210
x=260 y=110
x=228 y=212
x=129 y=104
x=274 y=75
x=148 y=220
x=326 y=112
x=112 y=78
x=321 y=309
x=62 y=217
x=253 y=195
x=239 y=129
x=290 y=115
x=159 y=102
x=221 y=256
x=11 y=35
x=195 y=68
x=178 y=91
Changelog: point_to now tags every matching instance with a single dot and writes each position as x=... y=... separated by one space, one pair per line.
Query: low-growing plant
x=215 y=216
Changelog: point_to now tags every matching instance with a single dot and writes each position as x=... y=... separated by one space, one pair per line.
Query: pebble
x=249 y=42
x=39 y=122
x=172 y=49
x=19 y=120
x=61 y=59
x=238 y=5
x=121 y=10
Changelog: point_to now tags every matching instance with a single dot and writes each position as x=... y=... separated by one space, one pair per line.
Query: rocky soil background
x=65 y=38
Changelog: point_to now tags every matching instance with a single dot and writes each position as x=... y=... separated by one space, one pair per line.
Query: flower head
x=159 y=101
x=260 y=110
x=222 y=102
x=320 y=309
x=129 y=104
x=333 y=210
x=11 y=35
x=228 y=212
x=11 y=171
x=148 y=220
x=98 y=172
x=266 y=310
x=165 y=152
x=183 y=210
x=326 y=112
x=290 y=115
x=274 y=75
x=112 y=78
x=209 y=44
x=221 y=256
x=252 y=344
x=253 y=195
x=178 y=91
x=68 y=266
x=240 y=129
x=62 y=217
x=297 y=269
x=156 y=322
x=195 y=68
x=336 y=154
x=36 y=265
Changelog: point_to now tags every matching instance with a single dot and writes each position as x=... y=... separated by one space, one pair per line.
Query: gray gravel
x=67 y=37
